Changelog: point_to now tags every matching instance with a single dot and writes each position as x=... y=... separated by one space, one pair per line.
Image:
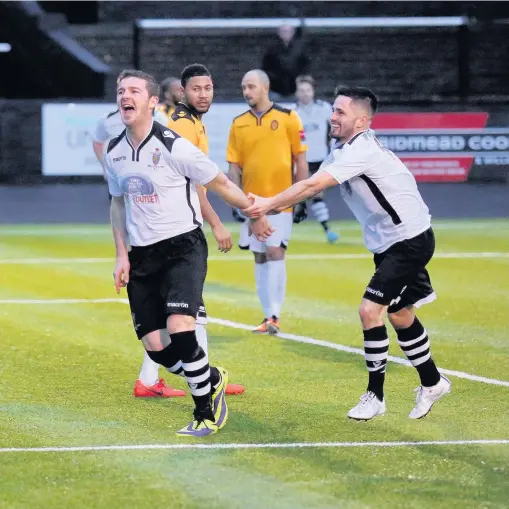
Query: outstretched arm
x=232 y=195
x=298 y=192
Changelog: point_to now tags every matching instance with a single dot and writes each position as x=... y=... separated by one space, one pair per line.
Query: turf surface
x=68 y=369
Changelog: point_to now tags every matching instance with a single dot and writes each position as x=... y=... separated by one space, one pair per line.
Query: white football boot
x=368 y=407
x=428 y=396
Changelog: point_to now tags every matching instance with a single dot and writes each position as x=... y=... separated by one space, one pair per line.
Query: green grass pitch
x=67 y=371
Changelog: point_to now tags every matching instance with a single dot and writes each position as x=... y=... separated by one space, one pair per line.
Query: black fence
x=406 y=60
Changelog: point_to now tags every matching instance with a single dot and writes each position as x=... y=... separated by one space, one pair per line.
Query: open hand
x=121 y=273
x=261 y=228
x=223 y=238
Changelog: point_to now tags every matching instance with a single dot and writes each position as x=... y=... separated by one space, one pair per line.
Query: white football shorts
x=282 y=223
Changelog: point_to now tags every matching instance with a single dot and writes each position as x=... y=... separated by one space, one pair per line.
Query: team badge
x=156 y=157
x=274 y=125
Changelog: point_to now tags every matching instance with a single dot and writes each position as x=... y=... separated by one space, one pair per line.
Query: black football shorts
x=167 y=278
x=401 y=278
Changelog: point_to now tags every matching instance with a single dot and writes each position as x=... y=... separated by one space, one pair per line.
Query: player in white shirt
x=148 y=384
x=315 y=116
x=110 y=126
x=153 y=175
x=383 y=196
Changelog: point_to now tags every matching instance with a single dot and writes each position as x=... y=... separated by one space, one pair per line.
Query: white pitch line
x=37 y=261
x=233 y=258
x=295 y=445
x=63 y=301
x=281 y=335
x=358 y=351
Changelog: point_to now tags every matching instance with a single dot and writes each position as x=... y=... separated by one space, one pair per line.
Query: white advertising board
x=66 y=141
x=67 y=144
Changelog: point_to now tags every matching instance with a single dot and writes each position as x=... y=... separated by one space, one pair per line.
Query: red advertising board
x=443 y=147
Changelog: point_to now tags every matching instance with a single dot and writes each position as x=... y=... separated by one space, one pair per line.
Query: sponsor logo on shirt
x=168 y=134
x=139 y=189
x=121 y=158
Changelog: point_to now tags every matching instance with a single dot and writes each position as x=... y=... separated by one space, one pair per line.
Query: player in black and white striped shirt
x=155 y=209
x=383 y=196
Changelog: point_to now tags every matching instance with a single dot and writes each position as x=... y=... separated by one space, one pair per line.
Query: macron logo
x=177 y=305
x=374 y=292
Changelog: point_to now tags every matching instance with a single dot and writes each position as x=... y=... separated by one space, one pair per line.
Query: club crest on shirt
x=274 y=125
x=156 y=156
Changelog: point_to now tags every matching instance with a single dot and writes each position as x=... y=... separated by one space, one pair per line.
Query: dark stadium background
x=71 y=52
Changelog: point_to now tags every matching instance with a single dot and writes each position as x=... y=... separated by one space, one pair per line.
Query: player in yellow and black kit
x=171 y=92
x=186 y=120
x=266 y=152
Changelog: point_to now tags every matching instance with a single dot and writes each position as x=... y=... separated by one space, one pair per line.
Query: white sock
x=261 y=271
x=276 y=282
x=201 y=337
x=149 y=374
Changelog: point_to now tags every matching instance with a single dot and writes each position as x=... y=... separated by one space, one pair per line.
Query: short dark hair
x=191 y=71
x=358 y=94
x=152 y=85
x=306 y=78
x=167 y=83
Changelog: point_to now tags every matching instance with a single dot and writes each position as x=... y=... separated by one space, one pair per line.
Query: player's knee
x=403 y=318
x=185 y=344
x=371 y=314
x=275 y=254
x=155 y=341
x=167 y=357
x=180 y=323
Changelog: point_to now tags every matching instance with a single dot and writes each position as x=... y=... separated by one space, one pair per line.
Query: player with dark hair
x=383 y=196
x=315 y=115
x=171 y=92
x=109 y=126
x=153 y=174
x=198 y=93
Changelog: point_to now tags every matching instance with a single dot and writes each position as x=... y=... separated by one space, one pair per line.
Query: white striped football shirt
x=157 y=180
x=379 y=190
x=315 y=119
